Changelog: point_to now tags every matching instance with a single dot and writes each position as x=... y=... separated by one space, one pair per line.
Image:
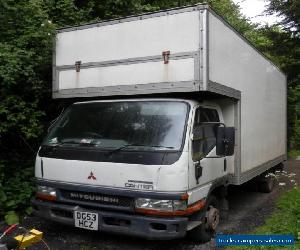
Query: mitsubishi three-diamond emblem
x=92 y=176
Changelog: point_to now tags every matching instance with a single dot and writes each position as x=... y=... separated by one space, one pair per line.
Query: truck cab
x=132 y=165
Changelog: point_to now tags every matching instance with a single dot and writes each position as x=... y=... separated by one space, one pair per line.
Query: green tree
x=289 y=11
x=26 y=35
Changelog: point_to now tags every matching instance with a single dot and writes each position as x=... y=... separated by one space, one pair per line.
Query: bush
x=16 y=188
x=292 y=154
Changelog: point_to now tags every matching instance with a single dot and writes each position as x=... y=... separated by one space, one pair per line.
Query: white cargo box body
x=124 y=57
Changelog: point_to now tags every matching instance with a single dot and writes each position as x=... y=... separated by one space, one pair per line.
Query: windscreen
x=136 y=125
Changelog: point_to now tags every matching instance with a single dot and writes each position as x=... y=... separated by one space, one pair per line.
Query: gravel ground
x=248 y=209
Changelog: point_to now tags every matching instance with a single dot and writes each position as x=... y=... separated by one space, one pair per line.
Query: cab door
x=203 y=147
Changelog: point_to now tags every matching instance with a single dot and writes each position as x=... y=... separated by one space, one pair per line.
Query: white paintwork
x=198 y=193
x=139 y=73
x=140 y=38
x=109 y=174
x=165 y=178
x=234 y=63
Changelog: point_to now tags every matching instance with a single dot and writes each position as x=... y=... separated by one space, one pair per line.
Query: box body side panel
x=129 y=54
x=236 y=64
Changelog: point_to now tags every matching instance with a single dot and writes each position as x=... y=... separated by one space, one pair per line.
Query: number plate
x=86 y=220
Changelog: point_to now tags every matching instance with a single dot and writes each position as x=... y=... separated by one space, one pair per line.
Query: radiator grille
x=97 y=198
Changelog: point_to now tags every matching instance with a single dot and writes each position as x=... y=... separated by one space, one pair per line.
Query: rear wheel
x=267 y=184
x=207 y=229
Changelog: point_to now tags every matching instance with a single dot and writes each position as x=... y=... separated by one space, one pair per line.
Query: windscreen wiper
x=138 y=145
x=55 y=146
x=59 y=144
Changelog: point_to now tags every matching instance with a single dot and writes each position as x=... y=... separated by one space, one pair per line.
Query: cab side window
x=204 y=134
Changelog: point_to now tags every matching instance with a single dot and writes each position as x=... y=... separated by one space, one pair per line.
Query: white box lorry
x=177 y=107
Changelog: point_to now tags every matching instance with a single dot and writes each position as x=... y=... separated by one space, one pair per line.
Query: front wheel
x=207 y=229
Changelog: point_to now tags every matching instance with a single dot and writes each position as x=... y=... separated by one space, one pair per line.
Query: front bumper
x=116 y=222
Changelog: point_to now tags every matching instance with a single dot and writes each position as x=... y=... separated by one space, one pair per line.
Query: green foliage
x=231 y=12
x=294 y=114
x=286 y=220
x=65 y=12
x=293 y=154
x=11 y=217
x=290 y=11
x=21 y=117
x=15 y=190
x=23 y=46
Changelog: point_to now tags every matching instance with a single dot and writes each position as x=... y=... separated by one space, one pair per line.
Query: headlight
x=168 y=207
x=161 y=205
x=46 y=193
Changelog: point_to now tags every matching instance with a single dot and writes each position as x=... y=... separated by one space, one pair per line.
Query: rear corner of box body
x=234 y=63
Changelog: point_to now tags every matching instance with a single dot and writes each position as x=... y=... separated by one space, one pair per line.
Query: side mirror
x=225 y=141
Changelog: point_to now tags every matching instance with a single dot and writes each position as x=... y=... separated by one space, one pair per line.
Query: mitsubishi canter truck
x=170 y=108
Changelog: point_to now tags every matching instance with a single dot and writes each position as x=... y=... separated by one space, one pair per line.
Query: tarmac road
x=248 y=209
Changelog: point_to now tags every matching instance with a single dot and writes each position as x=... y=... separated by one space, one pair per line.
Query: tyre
x=267 y=185
x=207 y=229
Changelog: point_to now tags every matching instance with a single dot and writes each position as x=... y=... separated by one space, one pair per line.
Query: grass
x=286 y=220
x=292 y=154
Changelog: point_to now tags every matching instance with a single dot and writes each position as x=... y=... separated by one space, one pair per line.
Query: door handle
x=198 y=171
x=225 y=164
